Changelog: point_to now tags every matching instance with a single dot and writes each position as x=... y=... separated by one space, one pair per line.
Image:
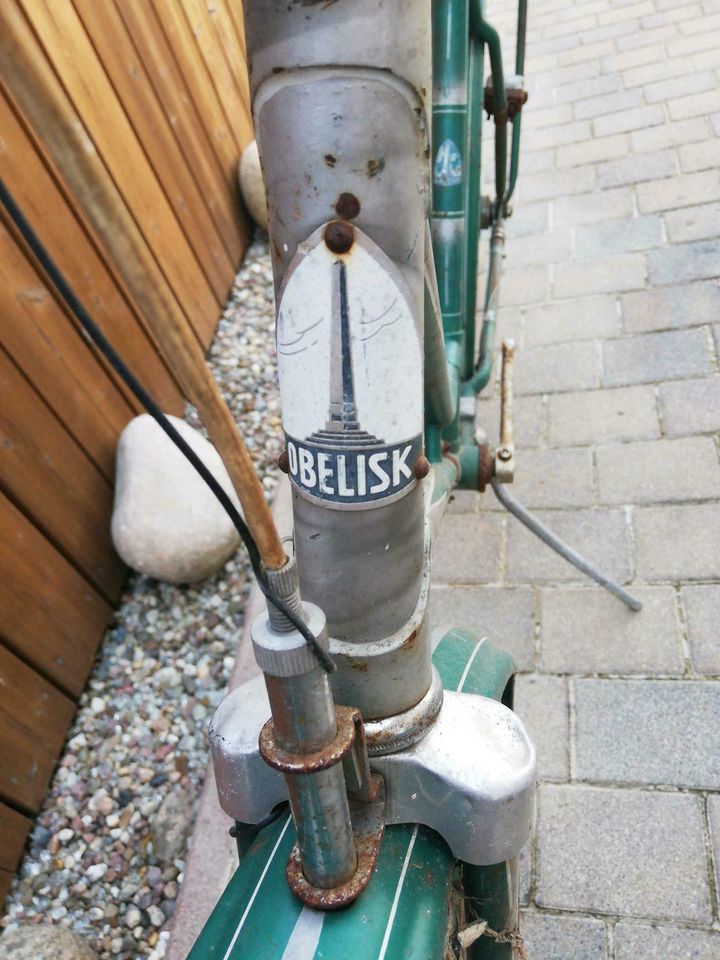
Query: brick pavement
x=611 y=293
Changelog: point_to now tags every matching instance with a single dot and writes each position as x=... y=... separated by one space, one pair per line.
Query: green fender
x=404 y=911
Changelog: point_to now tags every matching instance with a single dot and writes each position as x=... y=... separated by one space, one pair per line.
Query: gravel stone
x=44 y=943
x=139 y=736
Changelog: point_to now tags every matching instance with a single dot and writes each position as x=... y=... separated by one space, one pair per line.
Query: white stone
x=252 y=186
x=166 y=521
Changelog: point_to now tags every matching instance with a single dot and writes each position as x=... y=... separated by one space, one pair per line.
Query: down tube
x=449 y=172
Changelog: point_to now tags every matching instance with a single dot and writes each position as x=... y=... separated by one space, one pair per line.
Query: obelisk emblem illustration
x=342 y=428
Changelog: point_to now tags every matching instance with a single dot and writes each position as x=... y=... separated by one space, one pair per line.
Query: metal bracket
x=471 y=778
x=516 y=96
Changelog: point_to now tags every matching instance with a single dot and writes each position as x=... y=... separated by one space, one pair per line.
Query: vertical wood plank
x=43 y=469
x=34 y=716
x=172 y=89
x=50 y=213
x=45 y=345
x=14 y=828
x=226 y=140
x=68 y=49
x=50 y=615
x=132 y=86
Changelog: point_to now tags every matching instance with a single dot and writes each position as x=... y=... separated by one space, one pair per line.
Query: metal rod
x=482 y=30
x=479 y=380
x=556 y=544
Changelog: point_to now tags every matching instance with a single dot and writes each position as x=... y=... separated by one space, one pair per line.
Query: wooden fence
x=154 y=94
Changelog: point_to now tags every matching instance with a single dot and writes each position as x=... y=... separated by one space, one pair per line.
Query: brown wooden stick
x=59 y=131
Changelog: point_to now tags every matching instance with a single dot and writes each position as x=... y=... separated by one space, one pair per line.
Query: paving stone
x=506 y=617
x=528 y=219
x=592 y=87
x=677 y=542
x=593 y=150
x=669 y=134
x=467 y=549
x=565 y=320
x=627 y=120
x=617 y=173
x=584 y=52
x=607 y=103
x=525 y=870
x=550 y=937
x=558 y=367
x=588 y=630
x=691 y=406
x=694 y=223
x=557 y=136
x=557 y=183
x=685 y=261
x=527 y=420
x=553 y=246
x=688 y=305
x=702 y=613
x=618 y=236
x=564 y=76
x=713 y=814
x=694 y=105
x=685 y=45
x=638 y=941
x=525 y=286
x=616 y=63
x=682 y=191
x=648 y=731
x=699 y=156
x=601 y=536
x=675 y=355
x=591 y=207
x=542 y=704
x=644 y=37
x=611 y=274
x=658 y=471
x=658 y=69
x=601 y=416
x=627 y=852
x=554 y=478
x=464 y=501
x=674 y=87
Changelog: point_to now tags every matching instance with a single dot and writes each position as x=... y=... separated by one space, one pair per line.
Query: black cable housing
x=97 y=337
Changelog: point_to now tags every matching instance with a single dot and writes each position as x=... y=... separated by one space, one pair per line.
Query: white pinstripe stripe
x=466 y=671
x=398 y=891
x=244 y=917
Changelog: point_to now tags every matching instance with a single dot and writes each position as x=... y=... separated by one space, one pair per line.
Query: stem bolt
x=422 y=467
x=339 y=236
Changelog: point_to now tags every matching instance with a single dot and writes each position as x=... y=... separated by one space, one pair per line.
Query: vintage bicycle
x=380 y=811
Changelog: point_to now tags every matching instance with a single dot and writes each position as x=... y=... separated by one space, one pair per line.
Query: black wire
x=103 y=345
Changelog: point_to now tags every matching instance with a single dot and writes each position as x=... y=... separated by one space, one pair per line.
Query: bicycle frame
x=376 y=615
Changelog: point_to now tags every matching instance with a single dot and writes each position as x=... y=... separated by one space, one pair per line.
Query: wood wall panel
x=151 y=95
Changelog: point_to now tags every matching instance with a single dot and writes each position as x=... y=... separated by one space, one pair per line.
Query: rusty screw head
x=283 y=462
x=504 y=454
x=347 y=206
x=339 y=236
x=422 y=467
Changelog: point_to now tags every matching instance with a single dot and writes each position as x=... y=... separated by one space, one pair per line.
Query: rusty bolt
x=284 y=462
x=422 y=467
x=347 y=206
x=339 y=236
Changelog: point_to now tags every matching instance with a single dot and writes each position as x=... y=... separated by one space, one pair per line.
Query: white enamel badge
x=350 y=367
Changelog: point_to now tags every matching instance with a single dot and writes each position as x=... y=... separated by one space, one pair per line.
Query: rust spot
x=410 y=642
x=347 y=206
x=375 y=166
x=283 y=462
x=330 y=159
x=361 y=667
x=279 y=759
x=422 y=467
x=339 y=236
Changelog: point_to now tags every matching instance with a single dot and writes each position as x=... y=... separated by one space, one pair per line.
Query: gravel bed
x=106 y=857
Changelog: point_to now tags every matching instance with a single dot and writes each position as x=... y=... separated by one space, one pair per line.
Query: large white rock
x=44 y=943
x=166 y=521
x=252 y=186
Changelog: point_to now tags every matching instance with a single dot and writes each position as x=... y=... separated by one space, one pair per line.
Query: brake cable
x=97 y=337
